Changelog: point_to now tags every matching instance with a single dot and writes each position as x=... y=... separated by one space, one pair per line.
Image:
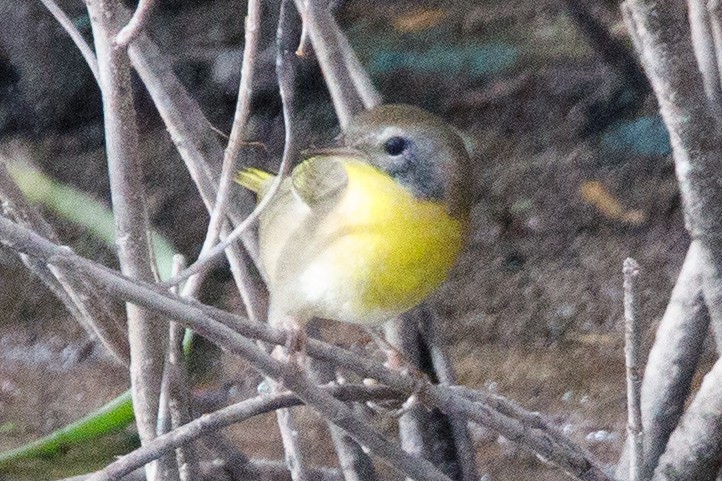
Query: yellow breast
x=389 y=249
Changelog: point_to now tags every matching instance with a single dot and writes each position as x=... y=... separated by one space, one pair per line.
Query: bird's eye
x=395 y=146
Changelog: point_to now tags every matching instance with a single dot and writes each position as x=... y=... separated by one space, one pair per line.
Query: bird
x=363 y=233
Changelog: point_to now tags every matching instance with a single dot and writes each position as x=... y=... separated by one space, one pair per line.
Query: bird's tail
x=253 y=179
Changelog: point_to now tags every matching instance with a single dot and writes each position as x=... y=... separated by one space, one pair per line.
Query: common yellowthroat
x=363 y=234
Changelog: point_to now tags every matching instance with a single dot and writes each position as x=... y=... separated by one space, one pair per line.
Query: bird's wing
x=319 y=180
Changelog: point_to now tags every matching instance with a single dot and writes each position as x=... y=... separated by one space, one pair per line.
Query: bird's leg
x=395 y=359
x=296 y=341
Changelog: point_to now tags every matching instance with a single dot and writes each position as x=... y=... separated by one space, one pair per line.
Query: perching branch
x=231 y=332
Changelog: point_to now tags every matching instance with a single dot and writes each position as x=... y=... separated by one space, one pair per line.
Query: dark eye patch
x=395 y=146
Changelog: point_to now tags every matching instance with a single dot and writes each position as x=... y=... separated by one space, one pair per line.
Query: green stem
x=112 y=417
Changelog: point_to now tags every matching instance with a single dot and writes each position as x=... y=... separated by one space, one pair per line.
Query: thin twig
x=671 y=364
x=285 y=80
x=93 y=311
x=145 y=333
x=175 y=409
x=75 y=35
x=136 y=24
x=360 y=78
x=285 y=73
x=238 y=130
x=227 y=416
x=231 y=332
x=188 y=129
x=355 y=464
x=316 y=19
x=631 y=360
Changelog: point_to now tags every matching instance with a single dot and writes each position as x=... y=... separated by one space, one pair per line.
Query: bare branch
x=668 y=58
x=317 y=20
x=631 y=359
x=704 y=50
x=238 y=130
x=231 y=332
x=360 y=78
x=285 y=73
x=145 y=333
x=77 y=37
x=136 y=24
x=444 y=370
x=91 y=310
x=671 y=363
x=227 y=416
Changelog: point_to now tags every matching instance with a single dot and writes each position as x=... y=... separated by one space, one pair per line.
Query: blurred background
x=573 y=174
